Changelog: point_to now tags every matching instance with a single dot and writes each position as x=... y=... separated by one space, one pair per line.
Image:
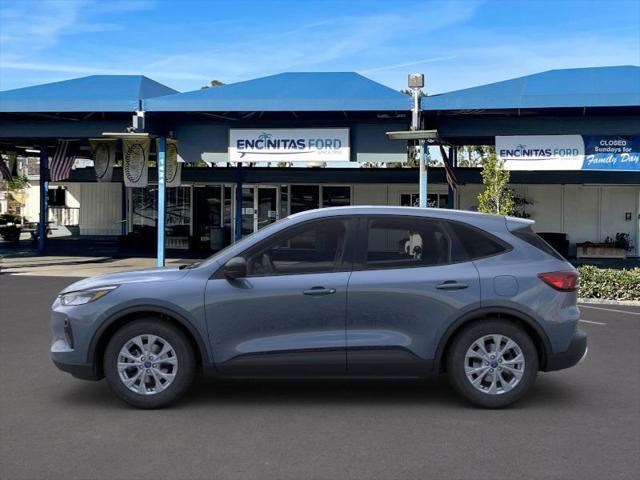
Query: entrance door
x=260 y=207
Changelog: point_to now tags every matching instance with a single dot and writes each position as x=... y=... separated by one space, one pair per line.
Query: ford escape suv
x=373 y=292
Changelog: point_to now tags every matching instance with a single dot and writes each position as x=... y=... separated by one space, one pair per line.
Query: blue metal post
x=423 y=174
x=238 y=226
x=44 y=199
x=162 y=149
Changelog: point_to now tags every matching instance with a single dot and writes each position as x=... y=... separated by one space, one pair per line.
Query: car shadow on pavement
x=433 y=391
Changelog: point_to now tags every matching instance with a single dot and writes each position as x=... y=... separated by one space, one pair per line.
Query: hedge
x=609 y=284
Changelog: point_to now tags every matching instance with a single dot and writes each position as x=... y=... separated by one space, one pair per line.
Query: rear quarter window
x=477 y=243
x=532 y=238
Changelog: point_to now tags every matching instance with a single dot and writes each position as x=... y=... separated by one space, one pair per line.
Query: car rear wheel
x=149 y=363
x=492 y=363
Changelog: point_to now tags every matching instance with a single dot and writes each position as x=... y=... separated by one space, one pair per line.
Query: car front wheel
x=492 y=363
x=149 y=363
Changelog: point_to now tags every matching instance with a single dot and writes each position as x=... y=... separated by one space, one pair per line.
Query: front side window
x=313 y=248
x=406 y=242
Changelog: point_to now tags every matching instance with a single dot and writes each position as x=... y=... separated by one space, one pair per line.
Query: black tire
x=456 y=363
x=183 y=351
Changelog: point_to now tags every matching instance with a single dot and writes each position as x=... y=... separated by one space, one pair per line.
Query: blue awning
x=96 y=93
x=577 y=87
x=288 y=92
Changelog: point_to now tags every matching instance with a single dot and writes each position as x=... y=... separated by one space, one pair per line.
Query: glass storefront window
x=333 y=196
x=304 y=197
x=144 y=214
x=434 y=200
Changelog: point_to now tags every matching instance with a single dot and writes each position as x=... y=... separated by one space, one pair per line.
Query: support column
x=238 y=225
x=162 y=149
x=422 y=148
x=44 y=199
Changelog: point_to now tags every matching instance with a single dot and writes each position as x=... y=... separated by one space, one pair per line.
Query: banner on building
x=569 y=152
x=135 y=154
x=611 y=152
x=173 y=165
x=104 y=157
x=289 y=145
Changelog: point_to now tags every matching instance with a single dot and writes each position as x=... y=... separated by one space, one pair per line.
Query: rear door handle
x=319 y=291
x=451 y=285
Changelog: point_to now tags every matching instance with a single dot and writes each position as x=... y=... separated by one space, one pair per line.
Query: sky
x=185 y=44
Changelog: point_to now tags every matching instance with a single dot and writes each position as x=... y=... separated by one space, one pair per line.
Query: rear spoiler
x=515 y=223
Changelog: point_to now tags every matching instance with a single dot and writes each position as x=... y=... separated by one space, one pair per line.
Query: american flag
x=5 y=173
x=451 y=176
x=62 y=161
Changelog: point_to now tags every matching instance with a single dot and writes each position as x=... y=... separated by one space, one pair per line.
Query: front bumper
x=81 y=371
x=573 y=355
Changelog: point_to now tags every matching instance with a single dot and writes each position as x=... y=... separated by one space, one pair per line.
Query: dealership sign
x=289 y=145
x=569 y=152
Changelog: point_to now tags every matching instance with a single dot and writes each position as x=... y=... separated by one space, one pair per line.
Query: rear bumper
x=574 y=354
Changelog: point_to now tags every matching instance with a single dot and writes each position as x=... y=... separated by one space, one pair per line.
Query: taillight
x=563 y=281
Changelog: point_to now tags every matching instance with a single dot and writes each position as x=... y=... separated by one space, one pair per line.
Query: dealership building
x=243 y=155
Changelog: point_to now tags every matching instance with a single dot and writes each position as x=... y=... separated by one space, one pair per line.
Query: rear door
x=411 y=280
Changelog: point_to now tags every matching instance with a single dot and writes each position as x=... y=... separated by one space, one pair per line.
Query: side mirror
x=235 y=268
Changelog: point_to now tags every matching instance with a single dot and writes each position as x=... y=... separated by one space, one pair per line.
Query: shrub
x=609 y=284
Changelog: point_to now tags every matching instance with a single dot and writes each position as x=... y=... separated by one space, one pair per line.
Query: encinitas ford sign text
x=289 y=145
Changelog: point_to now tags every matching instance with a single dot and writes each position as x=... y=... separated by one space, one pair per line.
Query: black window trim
x=507 y=246
x=347 y=257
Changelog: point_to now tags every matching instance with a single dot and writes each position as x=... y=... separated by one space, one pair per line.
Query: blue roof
x=298 y=92
x=96 y=93
x=577 y=87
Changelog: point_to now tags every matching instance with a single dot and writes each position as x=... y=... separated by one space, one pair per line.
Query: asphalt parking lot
x=582 y=423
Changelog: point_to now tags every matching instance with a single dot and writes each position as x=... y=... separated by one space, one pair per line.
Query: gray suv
x=373 y=292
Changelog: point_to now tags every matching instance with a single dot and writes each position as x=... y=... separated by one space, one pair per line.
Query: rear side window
x=406 y=242
x=477 y=243
x=532 y=238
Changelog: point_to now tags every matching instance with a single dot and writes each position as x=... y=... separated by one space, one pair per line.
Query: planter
x=599 y=250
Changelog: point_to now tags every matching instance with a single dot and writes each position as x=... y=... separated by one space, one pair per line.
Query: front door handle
x=451 y=285
x=319 y=291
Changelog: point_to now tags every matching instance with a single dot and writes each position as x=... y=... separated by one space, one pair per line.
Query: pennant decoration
x=104 y=157
x=63 y=159
x=5 y=170
x=449 y=172
x=136 y=162
x=173 y=167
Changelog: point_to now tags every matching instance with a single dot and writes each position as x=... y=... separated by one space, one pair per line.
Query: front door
x=287 y=317
x=406 y=289
x=260 y=207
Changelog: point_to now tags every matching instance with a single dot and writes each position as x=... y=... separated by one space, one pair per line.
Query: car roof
x=475 y=218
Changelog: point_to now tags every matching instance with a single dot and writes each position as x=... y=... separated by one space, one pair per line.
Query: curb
x=602 y=301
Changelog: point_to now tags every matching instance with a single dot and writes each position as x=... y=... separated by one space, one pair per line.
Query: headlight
x=85 y=296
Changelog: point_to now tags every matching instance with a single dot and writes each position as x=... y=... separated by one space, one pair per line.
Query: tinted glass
x=315 y=248
x=336 y=196
x=475 y=242
x=532 y=238
x=406 y=242
x=304 y=197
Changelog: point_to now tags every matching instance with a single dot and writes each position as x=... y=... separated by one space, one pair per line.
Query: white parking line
x=591 y=321
x=610 y=309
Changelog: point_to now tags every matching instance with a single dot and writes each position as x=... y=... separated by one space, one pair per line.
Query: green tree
x=213 y=83
x=497 y=197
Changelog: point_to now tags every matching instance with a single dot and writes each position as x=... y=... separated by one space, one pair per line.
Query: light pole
x=416 y=83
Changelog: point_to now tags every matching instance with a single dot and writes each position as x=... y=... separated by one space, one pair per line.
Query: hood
x=136 y=276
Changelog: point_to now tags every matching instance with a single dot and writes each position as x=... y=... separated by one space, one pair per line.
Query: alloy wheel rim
x=494 y=364
x=147 y=364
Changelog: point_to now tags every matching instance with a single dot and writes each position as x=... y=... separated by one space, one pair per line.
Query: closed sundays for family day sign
x=569 y=152
x=289 y=145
